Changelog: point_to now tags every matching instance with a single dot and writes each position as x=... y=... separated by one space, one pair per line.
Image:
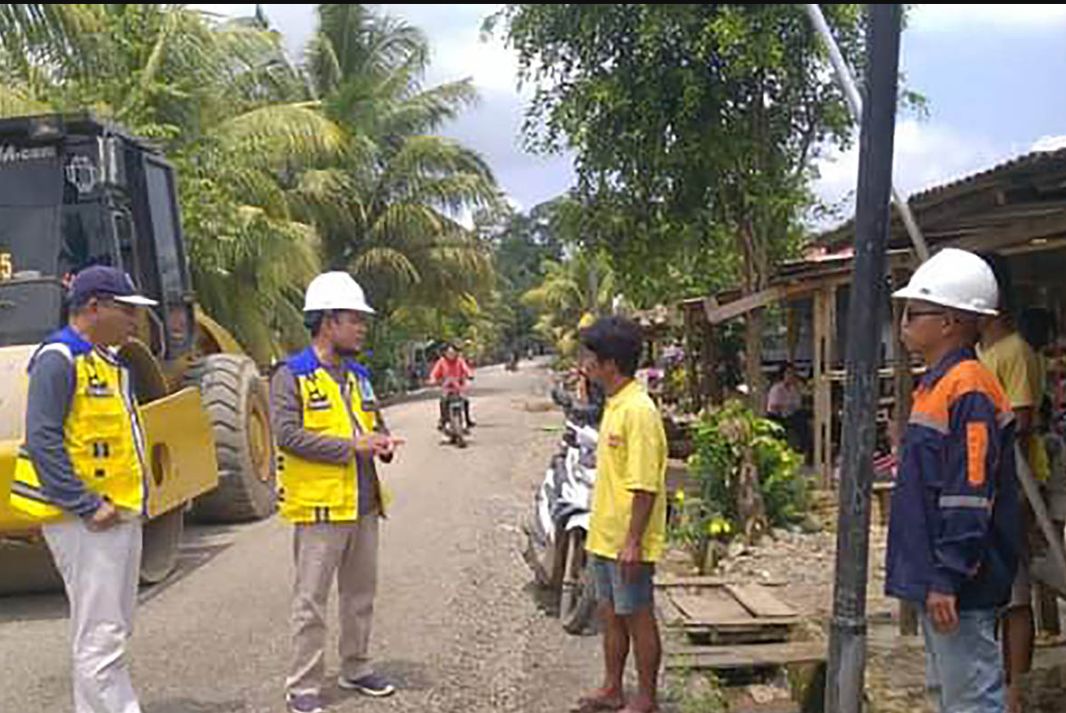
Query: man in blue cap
x=81 y=476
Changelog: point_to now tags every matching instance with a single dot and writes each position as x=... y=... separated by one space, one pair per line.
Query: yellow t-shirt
x=1019 y=371
x=630 y=456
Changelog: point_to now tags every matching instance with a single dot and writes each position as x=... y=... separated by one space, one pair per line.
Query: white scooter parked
x=557 y=530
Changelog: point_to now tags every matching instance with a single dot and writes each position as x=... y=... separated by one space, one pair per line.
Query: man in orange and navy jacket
x=954 y=532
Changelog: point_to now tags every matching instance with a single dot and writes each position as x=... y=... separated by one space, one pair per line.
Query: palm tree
x=582 y=283
x=227 y=108
x=281 y=169
x=399 y=228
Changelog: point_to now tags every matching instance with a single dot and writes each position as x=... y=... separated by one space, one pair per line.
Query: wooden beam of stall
x=1020 y=231
x=824 y=336
x=716 y=313
x=692 y=360
x=792 y=327
x=713 y=389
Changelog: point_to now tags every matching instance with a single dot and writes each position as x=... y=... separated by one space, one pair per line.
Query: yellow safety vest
x=102 y=437
x=312 y=491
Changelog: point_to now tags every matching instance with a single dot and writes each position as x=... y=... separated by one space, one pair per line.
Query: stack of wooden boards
x=730 y=626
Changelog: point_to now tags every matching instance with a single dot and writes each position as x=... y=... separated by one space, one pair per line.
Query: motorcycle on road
x=558 y=527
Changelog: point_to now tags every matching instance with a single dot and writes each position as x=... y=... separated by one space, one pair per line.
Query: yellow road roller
x=74 y=192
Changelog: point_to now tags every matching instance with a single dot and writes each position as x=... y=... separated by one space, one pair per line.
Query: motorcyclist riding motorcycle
x=452 y=373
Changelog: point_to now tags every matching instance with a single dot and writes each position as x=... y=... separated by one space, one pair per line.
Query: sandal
x=593 y=704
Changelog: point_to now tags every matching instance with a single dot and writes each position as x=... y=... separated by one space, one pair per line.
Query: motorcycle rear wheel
x=455 y=423
x=577 y=601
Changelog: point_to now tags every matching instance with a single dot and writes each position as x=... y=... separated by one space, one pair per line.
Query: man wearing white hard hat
x=954 y=530
x=329 y=432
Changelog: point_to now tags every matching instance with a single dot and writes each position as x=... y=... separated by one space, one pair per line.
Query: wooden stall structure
x=1016 y=209
x=813 y=294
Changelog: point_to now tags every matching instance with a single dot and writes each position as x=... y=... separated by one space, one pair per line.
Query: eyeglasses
x=910 y=313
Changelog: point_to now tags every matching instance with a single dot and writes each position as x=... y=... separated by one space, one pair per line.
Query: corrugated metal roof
x=837 y=253
x=1033 y=161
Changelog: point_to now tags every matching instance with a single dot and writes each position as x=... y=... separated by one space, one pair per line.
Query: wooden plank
x=711 y=607
x=715 y=616
x=760 y=602
x=695 y=581
x=668 y=612
x=705 y=581
x=1020 y=231
x=1045 y=245
x=726 y=658
x=710 y=303
x=738 y=635
x=823 y=401
x=692 y=369
x=751 y=624
x=712 y=393
x=756 y=300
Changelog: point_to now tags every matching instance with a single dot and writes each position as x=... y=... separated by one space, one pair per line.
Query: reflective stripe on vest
x=101 y=435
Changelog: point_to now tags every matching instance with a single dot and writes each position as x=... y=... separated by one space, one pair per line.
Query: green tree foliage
x=695 y=129
x=283 y=169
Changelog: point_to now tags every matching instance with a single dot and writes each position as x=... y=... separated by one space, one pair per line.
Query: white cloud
x=224 y=9
x=925 y=155
x=491 y=65
x=957 y=18
x=454 y=32
x=1049 y=143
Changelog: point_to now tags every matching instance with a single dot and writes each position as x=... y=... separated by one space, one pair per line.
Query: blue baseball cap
x=110 y=282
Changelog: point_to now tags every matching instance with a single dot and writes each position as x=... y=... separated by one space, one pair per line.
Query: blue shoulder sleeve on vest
x=303 y=363
x=67 y=336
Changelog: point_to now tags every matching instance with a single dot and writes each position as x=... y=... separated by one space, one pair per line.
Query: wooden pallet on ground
x=726 y=613
x=751 y=656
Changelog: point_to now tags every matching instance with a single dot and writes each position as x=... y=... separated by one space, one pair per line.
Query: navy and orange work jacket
x=955 y=524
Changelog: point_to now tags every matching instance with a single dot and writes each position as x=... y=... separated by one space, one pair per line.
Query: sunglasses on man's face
x=912 y=313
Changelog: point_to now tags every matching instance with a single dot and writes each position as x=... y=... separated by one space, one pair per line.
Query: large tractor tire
x=237 y=405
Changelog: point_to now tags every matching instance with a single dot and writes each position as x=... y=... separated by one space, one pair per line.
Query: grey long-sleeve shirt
x=286 y=412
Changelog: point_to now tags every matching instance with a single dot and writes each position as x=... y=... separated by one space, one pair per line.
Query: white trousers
x=100 y=571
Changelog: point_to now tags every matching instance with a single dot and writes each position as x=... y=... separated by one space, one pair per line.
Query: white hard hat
x=954 y=278
x=335 y=291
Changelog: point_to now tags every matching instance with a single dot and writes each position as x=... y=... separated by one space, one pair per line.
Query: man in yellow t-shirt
x=1022 y=376
x=1017 y=368
x=628 y=524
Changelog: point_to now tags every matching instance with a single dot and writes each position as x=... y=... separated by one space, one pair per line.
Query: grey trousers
x=347 y=552
x=100 y=571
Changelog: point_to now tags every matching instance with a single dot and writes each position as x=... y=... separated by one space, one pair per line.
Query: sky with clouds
x=994 y=76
